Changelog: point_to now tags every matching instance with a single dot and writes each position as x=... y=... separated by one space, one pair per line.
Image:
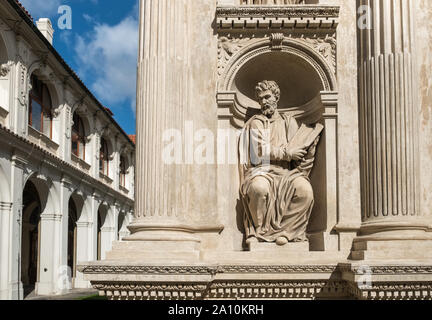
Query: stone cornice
x=280 y=17
x=387 y=270
x=235 y=269
x=288 y=11
x=202 y=270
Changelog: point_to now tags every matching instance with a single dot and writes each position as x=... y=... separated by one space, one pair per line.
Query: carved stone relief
x=231 y=44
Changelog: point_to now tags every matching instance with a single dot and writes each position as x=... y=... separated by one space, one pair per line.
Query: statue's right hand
x=296 y=154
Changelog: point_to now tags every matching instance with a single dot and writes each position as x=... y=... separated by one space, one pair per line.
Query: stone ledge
x=274 y=248
x=331 y=281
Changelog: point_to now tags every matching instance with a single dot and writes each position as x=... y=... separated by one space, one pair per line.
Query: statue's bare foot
x=281 y=241
x=251 y=240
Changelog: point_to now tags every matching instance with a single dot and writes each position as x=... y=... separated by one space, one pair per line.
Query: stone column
x=389 y=130
x=83 y=248
x=18 y=168
x=175 y=86
x=5 y=226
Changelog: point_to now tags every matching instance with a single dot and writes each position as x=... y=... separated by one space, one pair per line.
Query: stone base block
x=155 y=251
x=392 y=250
x=274 y=248
x=271 y=257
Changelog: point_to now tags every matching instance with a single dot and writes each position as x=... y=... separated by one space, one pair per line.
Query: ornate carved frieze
x=156 y=291
x=277 y=17
x=325 y=45
x=276 y=289
x=230 y=44
x=392 y=291
x=211 y=270
x=331 y=282
x=227 y=47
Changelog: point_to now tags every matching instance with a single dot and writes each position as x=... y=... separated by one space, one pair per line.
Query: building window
x=103 y=158
x=40 y=110
x=123 y=171
x=78 y=137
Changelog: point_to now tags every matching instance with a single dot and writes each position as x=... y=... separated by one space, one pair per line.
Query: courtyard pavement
x=76 y=294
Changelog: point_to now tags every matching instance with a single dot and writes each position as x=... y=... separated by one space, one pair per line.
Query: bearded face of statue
x=268 y=102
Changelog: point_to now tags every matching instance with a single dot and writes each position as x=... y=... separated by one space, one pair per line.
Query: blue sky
x=101 y=47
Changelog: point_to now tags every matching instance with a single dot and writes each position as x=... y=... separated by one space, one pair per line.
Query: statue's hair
x=268 y=85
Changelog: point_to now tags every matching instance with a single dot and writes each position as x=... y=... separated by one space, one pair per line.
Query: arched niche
x=309 y=92
x=301 y=72
x=297 y=79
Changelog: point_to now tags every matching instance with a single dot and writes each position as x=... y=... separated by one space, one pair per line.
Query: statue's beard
x=269 y=109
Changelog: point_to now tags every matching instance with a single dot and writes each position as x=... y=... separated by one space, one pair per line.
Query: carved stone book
x=306 y=136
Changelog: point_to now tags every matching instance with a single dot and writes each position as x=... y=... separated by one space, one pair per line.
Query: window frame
x=81 y=141
x=104 y=157
x=44 y=107
x=123 y=171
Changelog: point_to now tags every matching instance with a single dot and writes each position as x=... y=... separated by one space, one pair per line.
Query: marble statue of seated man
x=275 y=162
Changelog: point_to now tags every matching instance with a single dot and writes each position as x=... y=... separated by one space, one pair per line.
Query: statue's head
x=268 y=95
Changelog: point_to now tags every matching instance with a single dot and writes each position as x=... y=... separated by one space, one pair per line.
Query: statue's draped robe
x=285 y=216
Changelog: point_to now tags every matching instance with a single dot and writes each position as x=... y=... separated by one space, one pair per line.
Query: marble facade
x=362 y=70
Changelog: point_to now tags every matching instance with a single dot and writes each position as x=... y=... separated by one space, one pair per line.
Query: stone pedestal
x=300 y=247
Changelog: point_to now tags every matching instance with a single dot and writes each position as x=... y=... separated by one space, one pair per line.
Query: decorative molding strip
x=389 y=270
x=224 y=289
x=308 y=289
x=200 y=270
x=156 y=291
x=392 y=291
x=5 y=206
x=330 y=283
x=281 y=17
x=289 y=11
x=279 y=269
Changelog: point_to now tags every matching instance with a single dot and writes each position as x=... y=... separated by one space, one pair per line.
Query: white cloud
x=107 y=56
x=87 y=17
x=41 y=8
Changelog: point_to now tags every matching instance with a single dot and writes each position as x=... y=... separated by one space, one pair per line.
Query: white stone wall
x=28 y=155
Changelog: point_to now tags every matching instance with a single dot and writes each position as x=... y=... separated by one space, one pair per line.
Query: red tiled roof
x=109 y=111
x=24 y=9
x=133 y=138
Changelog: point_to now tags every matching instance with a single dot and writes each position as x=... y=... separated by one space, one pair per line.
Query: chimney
x=44 y=25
